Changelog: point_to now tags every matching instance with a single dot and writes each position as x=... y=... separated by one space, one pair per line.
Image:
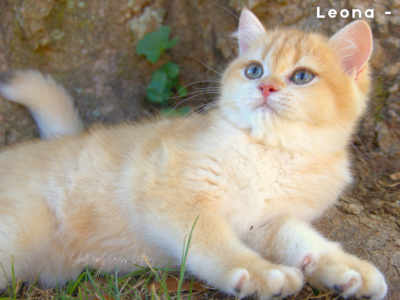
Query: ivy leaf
x=158 y=97
x=182 y=91
x=184 y=111
x=159 y=80
x=171 y=69
x=157 y=87
x=170 y=112
x=155 y=43
x=154 y=96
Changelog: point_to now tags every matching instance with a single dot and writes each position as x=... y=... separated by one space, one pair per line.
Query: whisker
x=212 y=114
x=205 y=64
x=369 y=158
x=200 y=81
x=190 y=98
x=226 y=10
x=309 y=137
x=191 y=93
x=189 y=118
x=207 y=107
x=326 y=148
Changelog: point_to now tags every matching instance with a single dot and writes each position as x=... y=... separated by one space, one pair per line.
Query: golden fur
x=255 y=174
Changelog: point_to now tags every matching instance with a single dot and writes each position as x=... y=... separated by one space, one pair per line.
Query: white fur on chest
x=261 y=184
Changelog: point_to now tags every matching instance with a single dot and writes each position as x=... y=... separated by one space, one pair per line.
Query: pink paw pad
x=341 y=288
x=349 y=284
x=308 y=264
x=240 y=280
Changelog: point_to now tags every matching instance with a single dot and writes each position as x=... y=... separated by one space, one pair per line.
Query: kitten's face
x=286 y=78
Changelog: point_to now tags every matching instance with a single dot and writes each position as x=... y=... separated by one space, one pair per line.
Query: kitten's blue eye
x=254 y=71
x=302 y=76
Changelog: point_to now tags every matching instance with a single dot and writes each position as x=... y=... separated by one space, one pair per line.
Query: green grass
x=145 y=283
x=95 y=284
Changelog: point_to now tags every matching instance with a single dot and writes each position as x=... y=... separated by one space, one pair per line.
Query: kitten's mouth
x=266 y=107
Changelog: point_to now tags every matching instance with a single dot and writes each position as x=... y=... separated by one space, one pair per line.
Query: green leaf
x=169 y=112
x=172 y=43
x=182 y=91
x=174 y=82
x=159 y=81
x=154 y=95
x=73 y=284
x=171 y=69
x=155 y=43
x=167 y=97
x=175 y=112
x=158 y=85
x=184 y=111
x=149 y=49
x=158 y=97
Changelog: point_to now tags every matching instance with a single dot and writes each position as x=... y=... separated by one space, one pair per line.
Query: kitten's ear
x=250 y=28
x=353 y=45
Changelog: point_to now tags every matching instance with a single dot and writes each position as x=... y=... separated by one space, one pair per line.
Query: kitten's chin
x=266 y=110
x=257 y=120
x=264 y=114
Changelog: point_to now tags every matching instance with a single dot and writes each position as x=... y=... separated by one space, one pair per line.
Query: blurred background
x=90 y=47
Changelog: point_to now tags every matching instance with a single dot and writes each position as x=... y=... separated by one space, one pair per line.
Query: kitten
x=256 y=171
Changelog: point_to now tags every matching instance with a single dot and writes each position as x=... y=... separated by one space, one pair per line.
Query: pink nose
x=267 y=88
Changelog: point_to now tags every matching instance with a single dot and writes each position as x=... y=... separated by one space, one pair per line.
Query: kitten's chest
x=268 y=184
x=268 y=177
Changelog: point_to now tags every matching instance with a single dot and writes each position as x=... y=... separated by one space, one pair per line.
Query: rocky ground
x=89 y=46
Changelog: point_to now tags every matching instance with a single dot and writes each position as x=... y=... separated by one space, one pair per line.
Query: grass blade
x=5 y=275
x=116 y=284
x=71 y=290
x=94 y=284
x=56 y=285
x=33 y=284
x=13 y=277
x=184 y=260
x=163 y=285
x=191 y=288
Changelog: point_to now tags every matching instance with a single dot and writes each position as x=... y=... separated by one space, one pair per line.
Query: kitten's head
x=294 y=89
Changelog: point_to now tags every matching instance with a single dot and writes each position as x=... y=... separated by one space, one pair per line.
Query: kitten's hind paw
x=347 y=275
x=371 y=286
x=374 y=285
x=274 y=281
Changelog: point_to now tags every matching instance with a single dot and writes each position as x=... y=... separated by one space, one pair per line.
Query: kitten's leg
x=217 y=256
x=49 y=103
x=293 y=242
x=8 y=254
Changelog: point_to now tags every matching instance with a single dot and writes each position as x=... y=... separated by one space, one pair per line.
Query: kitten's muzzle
x=266 y=88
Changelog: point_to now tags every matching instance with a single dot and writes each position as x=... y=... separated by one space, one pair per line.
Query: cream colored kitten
x=271 y=159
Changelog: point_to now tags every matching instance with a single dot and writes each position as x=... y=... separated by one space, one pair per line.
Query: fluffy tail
x=49 y=103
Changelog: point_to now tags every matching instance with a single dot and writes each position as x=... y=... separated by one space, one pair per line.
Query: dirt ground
x=89 y=46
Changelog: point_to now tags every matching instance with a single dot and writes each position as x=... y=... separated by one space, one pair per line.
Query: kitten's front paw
x=346 y=275
x=266 y=282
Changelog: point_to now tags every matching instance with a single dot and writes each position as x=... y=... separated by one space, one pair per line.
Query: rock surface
x=89 y=46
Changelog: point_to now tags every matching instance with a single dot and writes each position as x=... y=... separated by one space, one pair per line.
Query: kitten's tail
x=49 y=103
